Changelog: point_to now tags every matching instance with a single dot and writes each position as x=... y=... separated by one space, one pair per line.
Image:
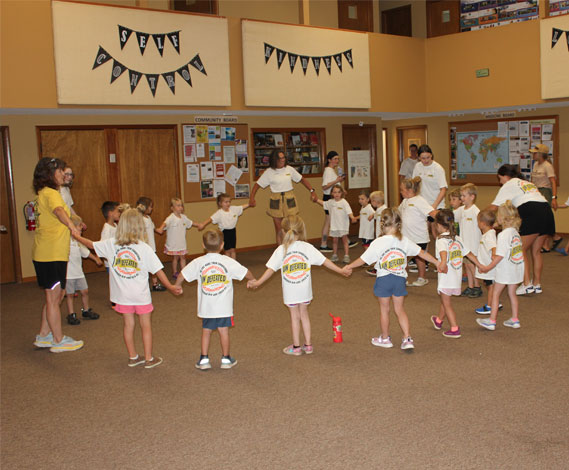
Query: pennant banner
x=556 y=35
x=305 y=60
x=142 y=39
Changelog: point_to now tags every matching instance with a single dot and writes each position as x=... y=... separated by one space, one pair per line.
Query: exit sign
x=480 y=73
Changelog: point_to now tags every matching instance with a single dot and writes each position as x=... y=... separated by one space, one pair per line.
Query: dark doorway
x=195 y=6
x=397 y=21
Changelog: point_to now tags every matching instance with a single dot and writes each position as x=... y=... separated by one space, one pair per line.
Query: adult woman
x=433 y=179
x=50 y=252
x=330 y=177
x=537 y=222
x=279 y=177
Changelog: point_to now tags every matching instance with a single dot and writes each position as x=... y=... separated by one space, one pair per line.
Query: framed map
x=481 y=152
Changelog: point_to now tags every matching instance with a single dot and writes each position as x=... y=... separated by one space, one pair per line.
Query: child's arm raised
x=174 y=289
x=253 y=284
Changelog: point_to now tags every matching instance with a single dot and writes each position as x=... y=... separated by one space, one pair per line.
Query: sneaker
x=203 y=363
x=537 y=289
x=475 y=292
x=420 y=282
x=66 y=344
x=334 y=258
x=292 y=351
x=466 y=292
x=523 y=289
x=352 y=244
x=372 y=272
x=511 y=323
x=228 y=362
x=89 y=314
x=484 y=310
x=486 y=323
x=436 y=323
x=308 y=349
x=325 y=249
x=72 y=319
x=346 y=259
x=413 y=268
x=561 y=251
x=452 y=334
x=136 y=361
x=44 y=341
x=158 y=288
x=407 y=343
x=382 y=342
x=155 y=361
x=412 y=263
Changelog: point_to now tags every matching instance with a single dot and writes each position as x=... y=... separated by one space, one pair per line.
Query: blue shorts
x=390 y=285
x=215 y=323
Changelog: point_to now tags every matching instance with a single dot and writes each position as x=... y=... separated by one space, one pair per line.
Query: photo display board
x=479 y=148
x=216 y=160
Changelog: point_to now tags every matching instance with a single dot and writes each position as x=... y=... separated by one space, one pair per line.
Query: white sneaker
x=523 y=289
x=346 y=259
x=537 y=289
x=334 y=258
x=420 y=282
x=382 y=342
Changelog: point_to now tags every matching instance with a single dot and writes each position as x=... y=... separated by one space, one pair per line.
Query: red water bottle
x=337 y=328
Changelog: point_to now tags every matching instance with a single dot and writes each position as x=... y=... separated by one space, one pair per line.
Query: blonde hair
x=77 y=221
x=390 y=218
x=294 y=229
x=212 y=241
x=445 y=218
x=377 y=196
x=413 y=184
x=131 y=228
x=143 y=204
x=455 y=193
x=508 y=216
x=470 y=189
x=488 y=217
x=339 y=186
x=174 y=200
x=123 y=206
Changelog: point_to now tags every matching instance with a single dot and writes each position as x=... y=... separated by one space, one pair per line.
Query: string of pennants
x=142 y=39
x=556 y=35
x=151 y=78
x=305 y=60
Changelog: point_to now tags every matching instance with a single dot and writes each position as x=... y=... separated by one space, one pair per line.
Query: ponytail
x=445 y=218
x=294 y=229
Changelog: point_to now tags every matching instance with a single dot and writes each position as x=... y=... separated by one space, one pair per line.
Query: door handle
x=3 y=229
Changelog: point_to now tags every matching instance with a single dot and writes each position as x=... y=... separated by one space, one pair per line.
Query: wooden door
x=443 y=17
x=8 y=230
x=355 y=14
x=357 y=137
x=397 y=21
x=148 y=163
x=85 y=151
x=196 y=6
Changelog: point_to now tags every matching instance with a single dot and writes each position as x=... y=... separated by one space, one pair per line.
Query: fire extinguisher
x=337 y=328
x=30 y=215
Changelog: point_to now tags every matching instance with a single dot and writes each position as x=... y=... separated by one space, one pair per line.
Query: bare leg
x=449 y=311
x=206 y=337
x=335 y=245
x=85 y=298
x=346 y=245
x=490 y=294
x=498 y=288
x=470 y=274
x=128 y=333
x=182 y=262
x=146 y=327
x=224 y=340
x=231 y=253
x=51 y=314
x=295 y=324
x=527 y=242
x=325 y=230
x=154 y=280
x=277 y=221
x=442 y=313
x=421 y=266
x=305 y=320
x=384 y=316
x=537 y=259
x=175 y=264
x=401 y=315
x=513 y=300
x=69 y=302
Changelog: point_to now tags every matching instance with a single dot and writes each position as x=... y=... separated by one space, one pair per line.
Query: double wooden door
x=117 y=164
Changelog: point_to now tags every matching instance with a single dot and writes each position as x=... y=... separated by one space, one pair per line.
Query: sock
x=202 y=356
x=514 y=319
x=226 y=357
x=135 y=357
x=454 y=328
x=295 y=346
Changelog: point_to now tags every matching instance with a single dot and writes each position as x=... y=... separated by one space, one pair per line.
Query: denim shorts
x=215 y=323
x=390 y=285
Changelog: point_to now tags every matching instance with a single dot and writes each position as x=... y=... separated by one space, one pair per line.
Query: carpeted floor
x=488 y=400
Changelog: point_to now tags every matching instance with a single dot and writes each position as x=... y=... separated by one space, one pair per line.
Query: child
x=111 y=213
x=467 y=218
x=176 y=225
x=226 y=219
x=450 y=251
x=367 y=212
x=340 y=217
x=389 y=253
x=131 y=259
x=414 y=210
x=76 y=278
x=295 y=258
x=454 y=203
x=509 y=264
x=145 y=205
x=214 y=273
x=377 y=201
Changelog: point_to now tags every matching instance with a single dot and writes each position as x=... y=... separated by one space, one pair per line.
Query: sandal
x=543 y=250
x=556 y=243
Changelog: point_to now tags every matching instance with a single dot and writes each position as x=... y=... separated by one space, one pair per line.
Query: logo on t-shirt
x=393 y=260
x=516 y=252
x=528 y=187
x=214 y=279
x=455 y=255
x=126 y=262
x=295 y=267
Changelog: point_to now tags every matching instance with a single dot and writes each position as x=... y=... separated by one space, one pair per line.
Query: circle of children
x=390 y=236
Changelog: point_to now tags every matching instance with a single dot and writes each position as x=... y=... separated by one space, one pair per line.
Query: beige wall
x=283 y=11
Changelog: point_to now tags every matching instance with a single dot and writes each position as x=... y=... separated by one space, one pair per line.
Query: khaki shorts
x=282 y=205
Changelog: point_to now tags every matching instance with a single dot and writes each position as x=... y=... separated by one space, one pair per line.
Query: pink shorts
x=138 y=309
x=175 y=253
x=449 y=292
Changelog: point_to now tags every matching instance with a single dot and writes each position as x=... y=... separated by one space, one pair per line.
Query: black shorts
x=326 y=197
x=229 y=239
x=488 y=282
x=51 y=273
x=423 y=246
x=537 y=217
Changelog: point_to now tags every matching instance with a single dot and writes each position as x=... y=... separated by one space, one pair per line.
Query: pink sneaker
x=292 y=351
x=308 y=349
x=452 y=334
x=436 y=323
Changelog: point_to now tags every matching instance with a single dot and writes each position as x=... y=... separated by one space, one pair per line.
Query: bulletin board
x=478 y=148
x=216 y=160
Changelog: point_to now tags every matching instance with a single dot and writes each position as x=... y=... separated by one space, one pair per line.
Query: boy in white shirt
x=367 y=226
x=215 y=273
x=111 y=213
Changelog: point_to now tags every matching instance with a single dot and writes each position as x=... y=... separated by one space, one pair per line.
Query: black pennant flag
x=196 y=62
x=328 y=63
x=102 y=57
x=268 y=52
x=152 y=82
x=316 y=63
x=555 y=35
x=338 y=59
x=134 y=78
x=304 y=63
x=175 y=40
x=117 y=71
x=124 y=34
x=184 y=72
x=159 y=41
x=567 y=36
x=292 y=61
x=170 y=78
x=142 y=39
x=280 y=57
x=348 y=56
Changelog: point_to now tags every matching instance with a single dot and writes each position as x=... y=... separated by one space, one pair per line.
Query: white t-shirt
x=456 y=250
x=149 y=225
x=227 y=220
x=74 y=265
x=468 y=224
x=339 y=214
x=487 y=242
x=407 y=167
x=328 y=176
x=433 y=179
x=389 y=255
x=510 y=270
x=176 y=232
x=109 y=231
x=128 y=270
x=367 y=228
x=378 y=212
x=215 y=273
x=296 y=270
x=519 y=192
x=66 y=195
x=280 y=180
x=414 y=212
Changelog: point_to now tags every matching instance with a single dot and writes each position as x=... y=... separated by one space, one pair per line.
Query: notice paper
x=232 y=175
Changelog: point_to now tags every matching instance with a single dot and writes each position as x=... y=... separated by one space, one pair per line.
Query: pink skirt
x=175 y=253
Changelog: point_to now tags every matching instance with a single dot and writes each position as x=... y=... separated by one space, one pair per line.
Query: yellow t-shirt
x=51 y=242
